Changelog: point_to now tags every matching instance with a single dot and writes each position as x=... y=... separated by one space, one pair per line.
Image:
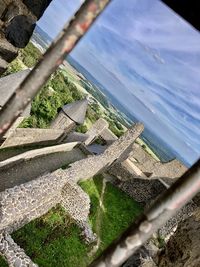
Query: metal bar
x=54 y=56
x=152 y=219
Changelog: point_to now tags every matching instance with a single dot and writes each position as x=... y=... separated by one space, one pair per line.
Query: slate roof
x=76 y=111
x=9 y=84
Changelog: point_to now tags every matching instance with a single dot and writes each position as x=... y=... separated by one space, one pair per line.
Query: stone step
x=7 y=51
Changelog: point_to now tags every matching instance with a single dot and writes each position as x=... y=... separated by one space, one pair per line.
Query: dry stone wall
x=14 y=255
x=77 y=203
x=23 y=203
x=17 y=22
x=32 y=199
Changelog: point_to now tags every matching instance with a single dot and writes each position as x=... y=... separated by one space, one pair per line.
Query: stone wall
x=63 y=122
x=172 y=169
x=156 y=169
x=182 y=249
x=29 y=165
x=30 y=200
x=23 y=203
x=108 y=136
x=95 y=131
x=33 y=136
x=15 y=255
x=17 y=22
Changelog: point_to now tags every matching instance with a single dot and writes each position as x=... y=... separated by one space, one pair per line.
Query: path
x=98 y=220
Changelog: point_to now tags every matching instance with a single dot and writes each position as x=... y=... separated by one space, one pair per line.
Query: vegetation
x=54 y=239
x=30 y=55
x=3 y=263
x=95 y=92
x=27 y=57
x=61 y=89
x=57 y=92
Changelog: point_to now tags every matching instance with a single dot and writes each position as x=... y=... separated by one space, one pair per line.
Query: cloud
x=146 y=56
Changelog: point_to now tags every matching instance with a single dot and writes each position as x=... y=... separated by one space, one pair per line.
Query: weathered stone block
x=7 y=51
x=3 y=65
x=19 y=30
x=11 y=11
x=32 y=136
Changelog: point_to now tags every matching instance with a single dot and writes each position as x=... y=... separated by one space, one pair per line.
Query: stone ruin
x=30 y=200
x=32 y=181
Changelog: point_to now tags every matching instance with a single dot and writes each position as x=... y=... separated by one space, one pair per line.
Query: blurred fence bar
x=152 y=219
x=54 y=56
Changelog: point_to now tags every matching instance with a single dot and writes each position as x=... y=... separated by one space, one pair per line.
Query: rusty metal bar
x=152 y=219
x=54 y=56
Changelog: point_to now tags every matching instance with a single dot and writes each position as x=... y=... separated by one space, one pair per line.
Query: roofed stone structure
x=76 y=111
x=70 y=115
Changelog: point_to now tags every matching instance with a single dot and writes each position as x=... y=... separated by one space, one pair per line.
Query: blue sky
x=149 y=59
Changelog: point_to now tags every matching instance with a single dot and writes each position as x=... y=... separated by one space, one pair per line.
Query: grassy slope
x=53 y=240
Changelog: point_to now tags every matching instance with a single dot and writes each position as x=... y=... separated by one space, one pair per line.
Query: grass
x=3 y=263
x=54 y=240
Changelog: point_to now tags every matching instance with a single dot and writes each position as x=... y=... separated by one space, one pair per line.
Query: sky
x=148 y=57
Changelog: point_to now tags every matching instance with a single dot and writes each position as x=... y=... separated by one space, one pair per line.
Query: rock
x=182 y=249
x=19 y=30
x=7 y=51
x=37 y=7
x=17 y=263
x=3 y=65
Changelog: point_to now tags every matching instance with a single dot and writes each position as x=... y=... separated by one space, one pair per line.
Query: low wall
x=29 y=165
x=33 y=136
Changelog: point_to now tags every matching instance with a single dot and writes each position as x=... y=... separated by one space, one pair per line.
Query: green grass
x=3 y=262
x=54 y=240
